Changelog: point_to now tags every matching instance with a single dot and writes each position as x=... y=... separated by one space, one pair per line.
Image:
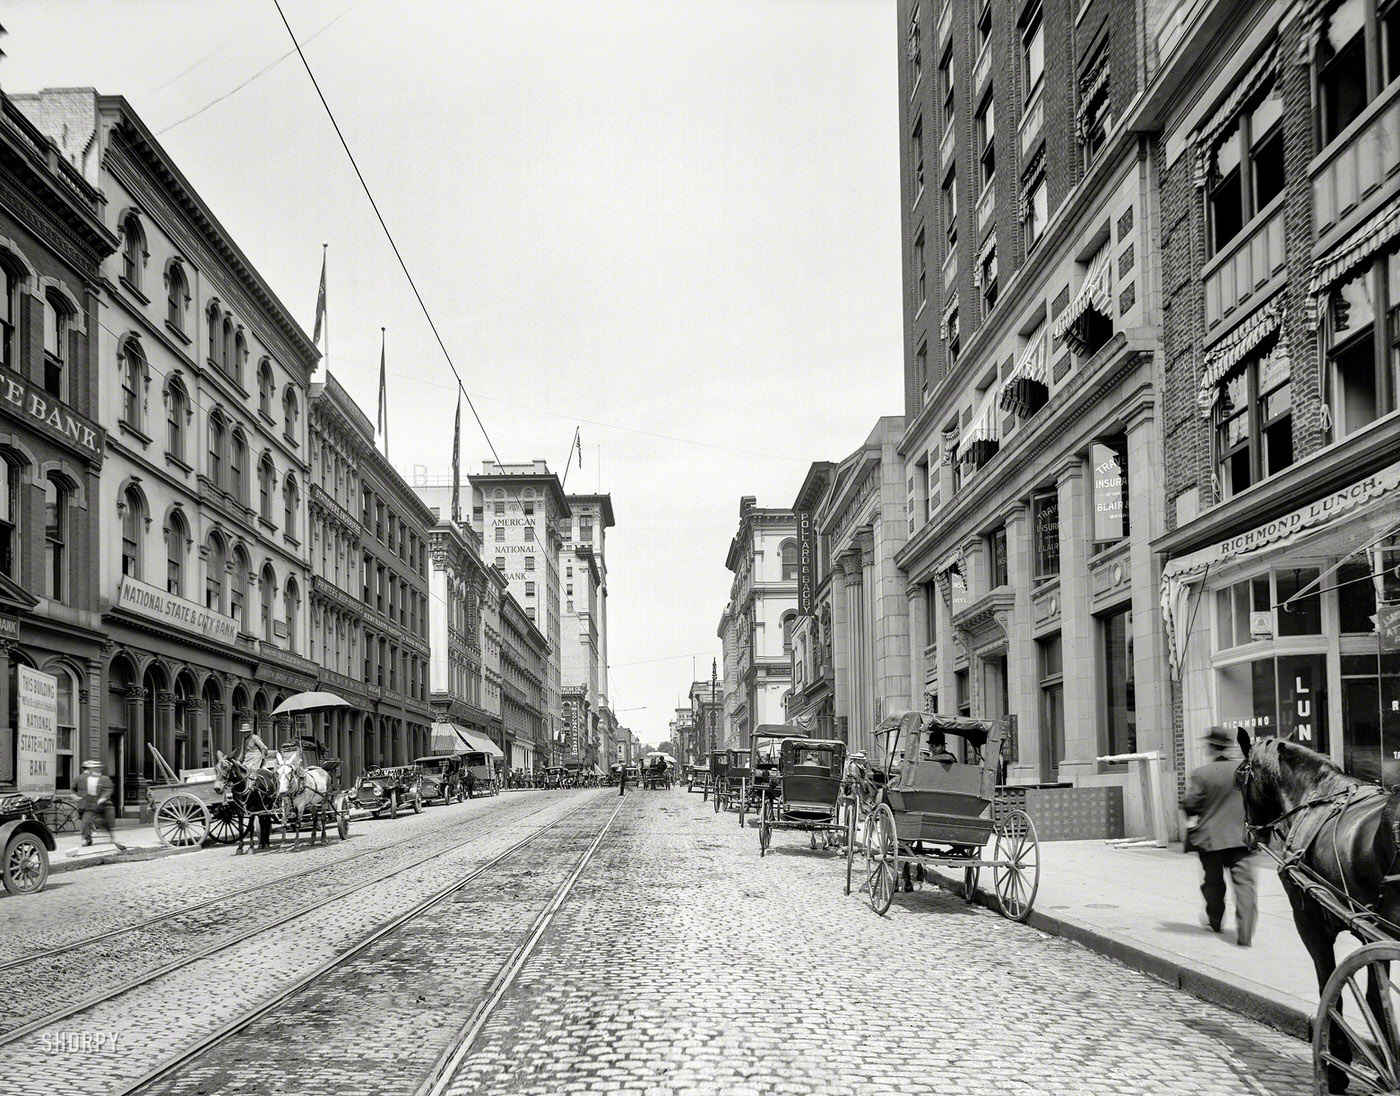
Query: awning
x=1180 y=574
x=988 y=246
x=948 y=310
x=1096 y=292
x=474 y=741
x=983 y=425
x=1093 y=87
x=1208 y=135
x=1351 y=253
x=1232 y=349
x=1032 y=368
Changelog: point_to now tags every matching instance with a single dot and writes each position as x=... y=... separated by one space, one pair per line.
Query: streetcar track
x=193 y=907
x=499 y=985
x=31 y=1026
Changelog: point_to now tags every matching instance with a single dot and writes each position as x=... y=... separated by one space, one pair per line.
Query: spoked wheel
x=225 y=822
x=342 y=818
x=850 y=843
x=26 y=864
x=182 y=821
x=743 y=810
x=394 y=805
x=881 y=858
x=765 y=830
x=1016 y=872
x=1356 y=1041
x=417 y=804
x=970 y=884
x=716 y=801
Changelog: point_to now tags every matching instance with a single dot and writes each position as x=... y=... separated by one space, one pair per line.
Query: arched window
x=216 y=450
x=290 y=497
x=177 y=296
x=790 y=561
x=10 y=492
x=267 y=478
x=133 y=251
x=789 y=622
x=133 y=370
x=56 y=498
x=227 y=361
x=292 y=600
x=176 y=536
x=66 y=722
x=214 y=342
x=214 y=574
x=289 y=413
x=238 y=589
x=238 y=468
x=177 y=412
x=268 y=591
x=240 y=357
x=266 y=388
x=133 y=513
x=9 y=318
x=57 y=321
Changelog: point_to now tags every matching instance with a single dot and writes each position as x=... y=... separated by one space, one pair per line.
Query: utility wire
x=387 y=234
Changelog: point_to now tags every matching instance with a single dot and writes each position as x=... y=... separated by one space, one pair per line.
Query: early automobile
x=388 y=789
x=26 y=842
x=442 y=777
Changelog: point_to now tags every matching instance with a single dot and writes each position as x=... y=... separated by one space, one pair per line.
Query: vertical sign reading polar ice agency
x=37 y=753
x=806 y=564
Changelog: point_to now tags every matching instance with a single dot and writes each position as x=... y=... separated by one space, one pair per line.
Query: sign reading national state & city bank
x=52 y=417
x=155 y=604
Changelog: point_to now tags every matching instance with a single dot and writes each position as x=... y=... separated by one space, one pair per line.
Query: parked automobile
x=26 y=842
x=442 y=778
x=387 y=789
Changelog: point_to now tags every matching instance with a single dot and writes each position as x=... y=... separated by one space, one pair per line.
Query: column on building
x=1022 y=677
x=1151 y=688
x=1076 y=624
x=918 y=629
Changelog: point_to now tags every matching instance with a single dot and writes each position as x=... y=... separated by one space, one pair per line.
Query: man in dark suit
x=94 y=789
x=1217 y=836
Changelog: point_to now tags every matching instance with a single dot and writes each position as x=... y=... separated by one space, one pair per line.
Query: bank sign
x=155 y=604
x=37 y=737
x=38 y=410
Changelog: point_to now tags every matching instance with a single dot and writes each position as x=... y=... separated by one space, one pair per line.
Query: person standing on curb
x=1217 y=837
x=95 y=790
x=622 y=781
x=471 y=784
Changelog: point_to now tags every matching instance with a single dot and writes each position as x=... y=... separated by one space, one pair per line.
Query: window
x=1362 y=370
x=1109 y=457
x=1253 y=422
x=289 y=413
x=133 y=251
x=290 y=498
x=1045 y=526
x=56 y=326
x=529 y=532
x=529 y=589
x=240 y=357
x=55 y=538
x=997 y=543
x=986 y=140
x=915 y=49
x=228 y=360
x=177 y=410
x=1246 y=170
x=238 y=468
x=529 y=563
x=292 y=601
x=214 y=330
x=954 y=339
x=789 y=622
x=267 y=476
x=133 y=370
x=1052 y=699
x=1037 y=210
x=268 y=589
x=790 y=562
x=175 y=537
x=177 y=296
x=920 y=269
x=585 y=531
x=500 y=533
x=1095 y=116
x=9 y=317
x=1032 y=51
x=1342 y=60
x=133 y=511
x=500 y=507
x=501 y=562
x=921 y=369
x=238 y=589
x=216 y=565
x=949 y=198
x=989 y=279
x=216 y=450
x=1120 y=694
x=984 y=26
x=916 y=151
x=945 y=82
x=266 y=387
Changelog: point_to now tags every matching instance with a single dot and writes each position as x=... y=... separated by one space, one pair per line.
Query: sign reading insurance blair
x=156 y=604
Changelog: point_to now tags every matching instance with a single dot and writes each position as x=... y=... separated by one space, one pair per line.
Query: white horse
x=302 y=790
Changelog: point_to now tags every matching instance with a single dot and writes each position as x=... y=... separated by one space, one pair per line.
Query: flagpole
x=383 y=397
x=326 y=315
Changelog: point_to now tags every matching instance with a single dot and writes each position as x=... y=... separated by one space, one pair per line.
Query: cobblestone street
x=628 y=945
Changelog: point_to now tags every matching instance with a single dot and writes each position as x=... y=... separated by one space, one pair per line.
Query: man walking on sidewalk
x=95 y=789
x=1218 y=837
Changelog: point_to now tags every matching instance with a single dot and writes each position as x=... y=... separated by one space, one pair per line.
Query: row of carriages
x=921 y=804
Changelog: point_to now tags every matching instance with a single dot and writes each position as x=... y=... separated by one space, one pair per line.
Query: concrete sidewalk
x=1142 y=906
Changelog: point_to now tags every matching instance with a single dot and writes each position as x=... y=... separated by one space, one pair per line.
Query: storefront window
x=1356 y=595
x=1120 y=693
x=1241 y=613
x=1045 y=519
x=1298 y=615
x=1110 y=462
x=998 y=546
x=1052 y=701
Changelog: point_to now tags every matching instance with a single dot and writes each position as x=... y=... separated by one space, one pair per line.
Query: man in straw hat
x=1217 y=836
x=94 y=789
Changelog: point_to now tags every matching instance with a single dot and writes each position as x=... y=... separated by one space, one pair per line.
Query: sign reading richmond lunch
x=806 y=564
x=155 y=604
x=37 y=746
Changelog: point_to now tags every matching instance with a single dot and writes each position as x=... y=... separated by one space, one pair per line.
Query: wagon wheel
x=393 y=804
x=765 y=830
x=881 y=858
x=716 y=800
x=743 y=809
x=850 y=843
x=417 y=804
x=970 y=884
x=1356 y=1048
x=60 y=815
x=25 y=868
x=182 y=821
x=225 y=821
x=1016 y=867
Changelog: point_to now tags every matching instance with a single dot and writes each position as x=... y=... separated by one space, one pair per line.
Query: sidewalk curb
x=1242 y=996
x=60 y=864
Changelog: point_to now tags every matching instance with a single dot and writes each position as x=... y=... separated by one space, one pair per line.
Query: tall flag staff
x=457 y=463
x=323 y=325
x=383 y=425
x=576 y=446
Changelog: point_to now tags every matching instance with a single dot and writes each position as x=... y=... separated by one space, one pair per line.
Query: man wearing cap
x=1218 y=836
x=94 y=789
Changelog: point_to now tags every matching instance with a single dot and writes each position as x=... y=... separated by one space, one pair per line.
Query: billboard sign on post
x=37 y=733
x=806 y=564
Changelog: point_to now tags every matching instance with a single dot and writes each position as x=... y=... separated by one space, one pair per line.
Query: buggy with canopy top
x=719 y=769
x=763 y=759
x=936 y=811
x=807 y=794
x=738 y=780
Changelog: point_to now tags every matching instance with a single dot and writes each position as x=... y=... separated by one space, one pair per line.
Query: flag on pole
x=383 y=425
x=457 y=463
x=320 y=301
x=578 y=444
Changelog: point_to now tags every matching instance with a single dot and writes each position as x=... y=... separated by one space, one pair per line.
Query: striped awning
x=1232 y=349
x=948 y=310
x=984 y=425
x=1209 y=133
x=988 y=246
x=1365 y=242
x=1096 y=292
x=1033 y=367
x=1091 y=89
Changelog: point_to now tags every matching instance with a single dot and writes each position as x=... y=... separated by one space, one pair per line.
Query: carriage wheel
x=417 y=804
x=765 y=830
x=182 y=821
x=1356 y=1042
x=225 y=822
x=716 y=801
x=743 y=809
x=393 y=804
x=25 y=868
x=970 y=884
x=881 y=858
x=850 y=843
x=1016 y=873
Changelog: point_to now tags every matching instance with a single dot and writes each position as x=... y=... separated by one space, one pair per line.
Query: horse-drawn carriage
x=388 y=788
x=924 y=808
x=734 y=790
x=191 y=806
x=805 y=793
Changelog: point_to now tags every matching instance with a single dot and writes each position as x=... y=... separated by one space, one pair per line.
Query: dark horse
x=254 y=789
x=1331 y=828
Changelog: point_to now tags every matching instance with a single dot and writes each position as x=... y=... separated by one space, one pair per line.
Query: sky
x=673 y=224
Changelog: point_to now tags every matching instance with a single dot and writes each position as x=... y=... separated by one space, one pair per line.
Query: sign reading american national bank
x=155 y=604
x=34 y=407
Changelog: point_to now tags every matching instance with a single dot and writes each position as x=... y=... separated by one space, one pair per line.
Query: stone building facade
x=525 y=655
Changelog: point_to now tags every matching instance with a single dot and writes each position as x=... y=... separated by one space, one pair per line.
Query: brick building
x=52 y=243
x=524 y=655
x=583 y=617
x=1031 y=445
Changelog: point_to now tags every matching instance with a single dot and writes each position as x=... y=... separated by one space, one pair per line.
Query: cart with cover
x=935 y=810
x=807 y=793
x=482 y=767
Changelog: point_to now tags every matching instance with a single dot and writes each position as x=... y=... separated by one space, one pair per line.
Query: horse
x=302 y=790
x=254 y=789
x=1335 y=829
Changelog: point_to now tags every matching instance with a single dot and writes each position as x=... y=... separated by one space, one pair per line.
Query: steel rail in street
x=501 y=982
x=180 y=911
x=63 y=1013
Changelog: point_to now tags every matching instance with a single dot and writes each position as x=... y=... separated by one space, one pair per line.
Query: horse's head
x=290 y=778
x=1277 y=775
x=228 y=772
